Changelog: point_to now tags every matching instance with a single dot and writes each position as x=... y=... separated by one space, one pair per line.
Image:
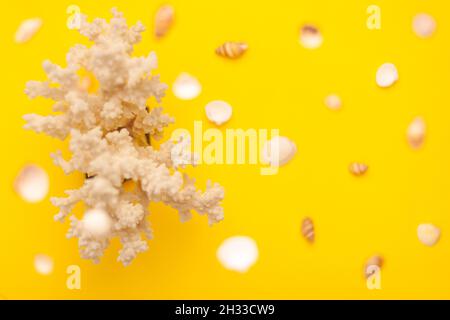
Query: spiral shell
x=358 y=169
x=308 y=230
x=232 y=50
x=163 y=20
x=369 y=269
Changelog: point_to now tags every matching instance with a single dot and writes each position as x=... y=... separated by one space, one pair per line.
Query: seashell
x=186 y=87
x=278 y=151
x=416 y=133
x=164 y=19
x=424 y=25
x=333 y=102
x=308 y=230
x=232 y=50
x=218 y=112
x=43 y=264
x=387 y=75
x=27 y=29
x=358 y=169
x=238 y=253
x=310 y=37
x=375 y=261
x=97 y=223
x=428 y=234
x=32 y=183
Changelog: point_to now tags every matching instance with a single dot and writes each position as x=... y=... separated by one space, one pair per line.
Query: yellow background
x=277 y=84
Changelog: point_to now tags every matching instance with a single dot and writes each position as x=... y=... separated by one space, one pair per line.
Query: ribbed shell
x=232 y=50
x=308 y=230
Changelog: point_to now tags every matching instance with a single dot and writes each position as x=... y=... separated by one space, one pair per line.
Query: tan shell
x=164 y=20
x=416 y=133
x=308 y=230
x=232 y=50
x=372 y=261
x=358 y=169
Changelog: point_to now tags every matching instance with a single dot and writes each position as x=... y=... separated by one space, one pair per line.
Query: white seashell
x=218 y=112
x=27 y=29
x=428 y=234
x=32 y=183
x=186 y=87
x=424 y=25
x=278 y=151
x=43 y=264
x=238 y=253
x=416 y=133
x=387 y=75
x=97 y=223
x=310 y=37
x=333 y=102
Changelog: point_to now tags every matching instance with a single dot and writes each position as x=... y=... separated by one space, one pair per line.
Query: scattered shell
x=387 y=75
x=416 y=133
x=238 y=253
x=85 y=83
x=358 y=169
x=278 y=151
x=32 y=183
x=43 y=264
x=218 y=112
x=310 y=37
x=372 y=265
x=186 y=87
x=232 y=50
x=27 y=29
x=333 y=102
x=428 y=234
x=308 y=230
x=164 y=20
x=97 y=223
x=424 y=25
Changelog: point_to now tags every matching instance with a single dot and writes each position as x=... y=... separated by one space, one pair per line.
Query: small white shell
x=278 y=151
x=27 y=29
x=428 y=234
x=186 y=87
x=387 y=75
x=333 y=102
x=424 y=25
x=97 y=223
x=43 y=264
x=238 y=253
x=310 y=37
x=416 y=133
x=32 y=184
x=218 y=112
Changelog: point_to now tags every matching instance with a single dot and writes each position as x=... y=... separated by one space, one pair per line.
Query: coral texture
x=108 y=129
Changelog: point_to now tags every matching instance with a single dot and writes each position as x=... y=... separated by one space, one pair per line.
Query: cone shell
x=358 y=169
x=372 y=261
x=164 y=20
x=308 y=230
x=232 y=50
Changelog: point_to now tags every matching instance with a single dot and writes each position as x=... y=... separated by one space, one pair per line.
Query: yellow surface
x=277 y=84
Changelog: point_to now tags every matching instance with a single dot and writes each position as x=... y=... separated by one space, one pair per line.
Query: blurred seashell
x=310 y=37
x=424 y=25
x=387 y=75
x=358 y=169
x=333 y=102
x=27 y=29
x=308 y=230
x=32 y=183
x=218 y=112
x=416 y=133
x=164 y=19
x=372 y=265
x=43 y=264
x=232 y=50
x=278 y=151
x=186 y=87
x=97 y=223
x=238 y=253
x=428 y=234
x=85 y=83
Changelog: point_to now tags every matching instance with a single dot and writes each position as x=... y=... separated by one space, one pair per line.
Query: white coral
x=108 y=132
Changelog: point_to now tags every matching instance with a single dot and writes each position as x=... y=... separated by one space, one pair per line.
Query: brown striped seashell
x=308 y=230
x=373 y=263
x=358 y=169
x=163 y=20
x=232 y=50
